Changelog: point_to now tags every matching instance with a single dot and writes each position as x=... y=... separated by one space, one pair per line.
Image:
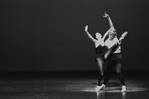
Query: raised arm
x=89 y=35
x=109 y=19
x=105 y=35
x=122 y=37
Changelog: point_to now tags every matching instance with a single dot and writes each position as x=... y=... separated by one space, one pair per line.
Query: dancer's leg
x=100 y=65
x=118 y=70
x=109 y=53
x=110 y=66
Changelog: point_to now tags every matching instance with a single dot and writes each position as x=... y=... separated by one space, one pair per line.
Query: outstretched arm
x=89 y=35
x=109 y=19
x=105 y=35
x=122 y=37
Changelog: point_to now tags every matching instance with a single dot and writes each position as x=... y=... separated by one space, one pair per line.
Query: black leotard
x=100 y=51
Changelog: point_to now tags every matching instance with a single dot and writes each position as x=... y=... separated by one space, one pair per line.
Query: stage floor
x=71 y=85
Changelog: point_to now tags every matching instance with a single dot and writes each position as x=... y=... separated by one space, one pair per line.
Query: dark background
x=48 y=35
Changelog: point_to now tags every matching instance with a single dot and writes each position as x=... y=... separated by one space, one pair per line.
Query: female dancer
x=100 y=50
x=116 y=57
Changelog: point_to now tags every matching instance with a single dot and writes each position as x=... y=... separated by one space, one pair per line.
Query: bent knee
x=99 y=59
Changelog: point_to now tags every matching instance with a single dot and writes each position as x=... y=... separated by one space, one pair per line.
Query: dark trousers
x=115 y=60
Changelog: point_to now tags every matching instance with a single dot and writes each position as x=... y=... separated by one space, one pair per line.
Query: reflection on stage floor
x=70 y=86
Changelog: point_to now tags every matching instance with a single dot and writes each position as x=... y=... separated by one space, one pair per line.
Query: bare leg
x=100 y=65
x=109 y=53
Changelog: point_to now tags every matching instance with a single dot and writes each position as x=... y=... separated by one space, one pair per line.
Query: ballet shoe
x=102 y=87
x=123 y=88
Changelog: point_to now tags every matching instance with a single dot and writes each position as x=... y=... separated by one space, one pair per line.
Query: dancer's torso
x=110 y=43
x=100 y=50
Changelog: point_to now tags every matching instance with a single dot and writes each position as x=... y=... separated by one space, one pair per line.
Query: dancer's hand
x=106 y=15
x=86 y=28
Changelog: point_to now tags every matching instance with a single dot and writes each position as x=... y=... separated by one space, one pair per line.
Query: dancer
x=116 y=57
x=100 y=50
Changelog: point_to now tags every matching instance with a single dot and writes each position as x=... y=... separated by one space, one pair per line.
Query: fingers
x=86 y=27
x=105 y=15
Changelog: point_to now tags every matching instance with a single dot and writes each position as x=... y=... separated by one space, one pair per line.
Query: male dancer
x=115 y=58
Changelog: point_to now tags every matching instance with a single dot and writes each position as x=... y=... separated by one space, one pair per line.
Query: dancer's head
x=112 y=34
x=97 y=36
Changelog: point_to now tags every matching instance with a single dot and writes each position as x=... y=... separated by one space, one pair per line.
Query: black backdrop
x=48 y=35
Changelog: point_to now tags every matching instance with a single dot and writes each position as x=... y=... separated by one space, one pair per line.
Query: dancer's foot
x=102 y=87
x=123 y=88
